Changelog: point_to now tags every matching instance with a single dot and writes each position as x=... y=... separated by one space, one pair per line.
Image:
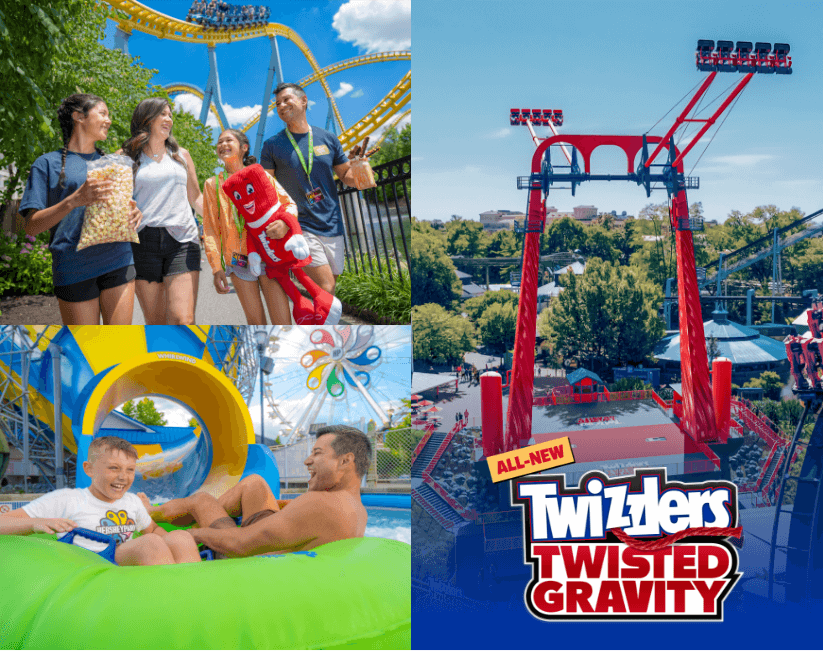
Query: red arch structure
x=698 y=406
x=699 y=419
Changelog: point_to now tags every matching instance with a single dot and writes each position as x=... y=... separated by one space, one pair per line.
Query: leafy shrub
x=25 y=264
x=390 y=298
x=629 y=384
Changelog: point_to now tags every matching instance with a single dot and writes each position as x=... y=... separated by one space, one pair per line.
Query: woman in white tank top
x=167 y=259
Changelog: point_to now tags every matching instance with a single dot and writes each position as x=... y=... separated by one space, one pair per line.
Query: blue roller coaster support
x=331 y=123
x=213 y=89
x=121 y=40
x=274 y=68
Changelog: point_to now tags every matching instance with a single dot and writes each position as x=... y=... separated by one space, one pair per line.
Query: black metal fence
x=378 y=221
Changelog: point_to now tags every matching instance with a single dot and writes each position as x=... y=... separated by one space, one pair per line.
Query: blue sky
x=388 y=382
x=613 y=68
x=333 y=30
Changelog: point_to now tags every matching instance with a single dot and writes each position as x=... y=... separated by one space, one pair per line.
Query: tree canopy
x=497 y=326
x=606 y=317
x=144 y=411
x=439 y=336
x=433 y=277
x=395 y=145
x=51 y=49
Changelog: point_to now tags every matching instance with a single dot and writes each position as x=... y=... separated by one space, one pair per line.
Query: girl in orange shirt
x=224 y=238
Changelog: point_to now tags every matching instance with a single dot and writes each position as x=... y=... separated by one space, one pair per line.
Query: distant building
x=750 y=352
x=498 y=220
x=585 y=213
x=553 y=214
x=470 y=289
x=577 y=268
x=438 y=224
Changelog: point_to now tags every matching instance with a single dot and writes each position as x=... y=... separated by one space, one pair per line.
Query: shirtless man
x=330 y=510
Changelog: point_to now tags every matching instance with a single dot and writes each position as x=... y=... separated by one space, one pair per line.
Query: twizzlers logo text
x=636 y=548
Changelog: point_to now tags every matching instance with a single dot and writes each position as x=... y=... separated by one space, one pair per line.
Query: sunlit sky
x=334 y=31
x=389 y=382
x=613 y=68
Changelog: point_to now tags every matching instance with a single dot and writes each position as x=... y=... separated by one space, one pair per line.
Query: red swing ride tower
x=701 y=420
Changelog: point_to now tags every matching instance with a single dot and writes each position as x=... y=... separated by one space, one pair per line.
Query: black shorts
x=87 y=290
x=159 y=255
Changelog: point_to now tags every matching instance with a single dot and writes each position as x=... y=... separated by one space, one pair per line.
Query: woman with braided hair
x=167 y=259
x=224 y=237
x=99 y=279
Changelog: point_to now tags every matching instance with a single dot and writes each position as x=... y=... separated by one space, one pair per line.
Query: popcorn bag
x=108 y=220
x=363 y=174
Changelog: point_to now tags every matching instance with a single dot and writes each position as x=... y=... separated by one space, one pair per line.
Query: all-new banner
x=533 y=458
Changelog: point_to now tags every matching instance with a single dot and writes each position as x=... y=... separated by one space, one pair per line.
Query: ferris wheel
x=338 y=375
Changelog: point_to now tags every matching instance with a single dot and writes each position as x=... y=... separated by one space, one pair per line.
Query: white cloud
x=500 y=133
x=344 y=89
x=375 y=25
x=236 y=116
x=742 y=160
x=358 y=93
x=311 y=105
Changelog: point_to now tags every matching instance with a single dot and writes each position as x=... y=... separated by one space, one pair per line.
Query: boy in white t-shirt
x=107 y=507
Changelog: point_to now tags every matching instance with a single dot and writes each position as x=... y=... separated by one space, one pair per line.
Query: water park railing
x=391 y=461
x=378 y=221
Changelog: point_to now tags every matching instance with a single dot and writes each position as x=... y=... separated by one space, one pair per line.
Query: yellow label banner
x=533 y=458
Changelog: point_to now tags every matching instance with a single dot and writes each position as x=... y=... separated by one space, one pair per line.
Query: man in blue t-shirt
x=304 y=160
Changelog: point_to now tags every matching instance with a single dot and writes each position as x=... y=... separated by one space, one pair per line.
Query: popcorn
x=108 y=220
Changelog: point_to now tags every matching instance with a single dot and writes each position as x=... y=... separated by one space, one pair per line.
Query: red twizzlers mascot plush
x=256 y=199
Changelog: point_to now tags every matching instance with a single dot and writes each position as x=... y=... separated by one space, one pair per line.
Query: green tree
x=464 y=237
x=432 y=273
x=771 y=384
x=656 y=257
x=808 y=265
x=439 y=336
x=600 y=243
x=475 y=307
x=712 y=349
x=607 y=317
x=144 y=411
x=50 y=49
x=624 y=241
x=197 y=139
x=497 y=326
x=502 y=244
x=563 y=235
x=33 y=39
x=395 y=145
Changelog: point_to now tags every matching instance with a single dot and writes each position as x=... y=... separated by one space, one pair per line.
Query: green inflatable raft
x=350 y=594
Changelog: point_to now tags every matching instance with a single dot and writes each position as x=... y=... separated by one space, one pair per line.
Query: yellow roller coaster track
x=172 y=89
x=391 y=104
x=337 y=67
x=132 y=15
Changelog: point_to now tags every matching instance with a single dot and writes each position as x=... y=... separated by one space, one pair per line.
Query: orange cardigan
x=219 y=228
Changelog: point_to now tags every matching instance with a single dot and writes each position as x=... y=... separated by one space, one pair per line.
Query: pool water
x=389 y=523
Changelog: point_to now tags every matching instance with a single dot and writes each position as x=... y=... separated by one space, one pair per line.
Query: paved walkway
x=218 y=309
